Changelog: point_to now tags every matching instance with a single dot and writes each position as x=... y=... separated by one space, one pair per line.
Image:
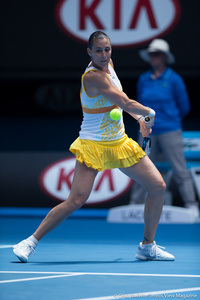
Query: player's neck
x=104 y=69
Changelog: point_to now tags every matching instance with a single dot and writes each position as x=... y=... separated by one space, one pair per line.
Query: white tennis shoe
x=152 y=252
x=24 y=249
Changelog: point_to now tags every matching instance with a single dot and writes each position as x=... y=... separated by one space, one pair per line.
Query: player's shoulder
x=111 y=63
x=95 y=79
x=93 y=75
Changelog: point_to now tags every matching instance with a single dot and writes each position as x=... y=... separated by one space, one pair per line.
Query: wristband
x=140 y=118
x=151 y=114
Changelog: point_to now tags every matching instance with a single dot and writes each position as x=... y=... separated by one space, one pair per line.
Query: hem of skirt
x=118 y=164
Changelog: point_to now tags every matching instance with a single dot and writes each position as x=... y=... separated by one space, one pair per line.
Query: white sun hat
x=158 y=45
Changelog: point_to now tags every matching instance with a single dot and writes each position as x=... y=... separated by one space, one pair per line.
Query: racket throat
x=146 y=147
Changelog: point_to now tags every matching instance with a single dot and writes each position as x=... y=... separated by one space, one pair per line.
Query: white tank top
x=99 y=126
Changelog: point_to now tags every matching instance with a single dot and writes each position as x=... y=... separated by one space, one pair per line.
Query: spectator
x=162 y=89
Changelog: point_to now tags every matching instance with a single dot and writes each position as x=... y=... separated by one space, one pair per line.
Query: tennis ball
x=115 y=114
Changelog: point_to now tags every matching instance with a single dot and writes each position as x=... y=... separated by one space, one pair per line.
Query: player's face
x=100 y=53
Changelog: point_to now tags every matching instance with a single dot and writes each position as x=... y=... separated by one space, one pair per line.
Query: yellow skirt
x=100 y=156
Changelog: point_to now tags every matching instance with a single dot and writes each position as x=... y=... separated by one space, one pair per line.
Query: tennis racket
x=146 y=146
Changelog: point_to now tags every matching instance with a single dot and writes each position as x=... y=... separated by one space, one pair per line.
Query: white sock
x=146 y=245
x=33 y=239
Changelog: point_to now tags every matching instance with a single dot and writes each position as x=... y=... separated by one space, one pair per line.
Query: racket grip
x=146 y=147
x=147 y=120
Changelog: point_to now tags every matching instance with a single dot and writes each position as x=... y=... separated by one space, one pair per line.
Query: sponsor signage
x=127 y=22
x=59 y=97
x=135 y=214
x=191 y=144
x=195 y=171
x=56 y=181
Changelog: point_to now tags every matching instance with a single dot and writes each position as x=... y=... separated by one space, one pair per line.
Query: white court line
x=145 y=275
x=6 y=246
x=68 y=274
x=37 y=278
x=33 y=272
x=103 y=274
x=137 y=295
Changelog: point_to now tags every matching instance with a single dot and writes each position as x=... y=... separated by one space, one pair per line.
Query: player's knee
x=74 y=202
x=161 y=187
x=79 y=200
x=158 y=189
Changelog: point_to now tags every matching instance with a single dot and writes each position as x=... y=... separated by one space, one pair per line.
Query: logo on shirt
x=56 y=181
x=127 y=22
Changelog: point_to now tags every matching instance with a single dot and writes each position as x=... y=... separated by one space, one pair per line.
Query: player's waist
x=99 y=110
x=101 y=134
x=106 y=144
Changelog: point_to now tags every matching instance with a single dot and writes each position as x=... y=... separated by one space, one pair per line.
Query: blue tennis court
x=88 y=258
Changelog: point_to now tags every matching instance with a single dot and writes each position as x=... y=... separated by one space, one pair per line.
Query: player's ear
x=89 y=51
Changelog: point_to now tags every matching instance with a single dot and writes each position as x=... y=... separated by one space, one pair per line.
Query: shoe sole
x=19 y=256
x=153 y=259
x=141 y=257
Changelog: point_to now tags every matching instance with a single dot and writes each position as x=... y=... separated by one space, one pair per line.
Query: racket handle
x=146 y=147
x=147 y=120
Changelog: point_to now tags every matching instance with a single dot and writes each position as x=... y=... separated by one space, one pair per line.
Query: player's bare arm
x=97 y=82
x=145 y=128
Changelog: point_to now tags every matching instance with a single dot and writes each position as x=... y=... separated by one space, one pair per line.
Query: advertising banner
x=44 y=179
x=49 y=38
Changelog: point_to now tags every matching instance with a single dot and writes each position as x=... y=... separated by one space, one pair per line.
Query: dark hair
x=95 y=36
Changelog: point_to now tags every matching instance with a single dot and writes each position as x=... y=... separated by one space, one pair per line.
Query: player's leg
x=145 y=173
x=81 y=188
x=138 y=193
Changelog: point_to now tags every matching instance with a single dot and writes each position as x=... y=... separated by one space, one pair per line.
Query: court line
x=35 y=272
x=137 y=295
x=37 y=278
x=103 y=274
x=6 y=246
x=145 y=275
x=69 y=274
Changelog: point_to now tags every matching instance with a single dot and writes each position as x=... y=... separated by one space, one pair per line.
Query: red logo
x=127 y=22
x=56 y=181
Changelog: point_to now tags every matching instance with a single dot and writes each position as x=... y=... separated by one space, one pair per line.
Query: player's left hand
x=145 y=128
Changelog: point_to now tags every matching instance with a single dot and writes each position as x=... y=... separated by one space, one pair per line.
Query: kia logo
x=56 y=181
x=59 y=96
x=127 y=22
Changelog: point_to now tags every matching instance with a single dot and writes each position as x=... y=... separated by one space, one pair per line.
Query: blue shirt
x=167 y=95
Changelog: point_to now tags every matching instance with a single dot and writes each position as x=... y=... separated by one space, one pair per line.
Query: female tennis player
x=102 y=144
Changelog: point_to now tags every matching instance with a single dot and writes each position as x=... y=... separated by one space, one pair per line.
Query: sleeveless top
x=97 y=124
